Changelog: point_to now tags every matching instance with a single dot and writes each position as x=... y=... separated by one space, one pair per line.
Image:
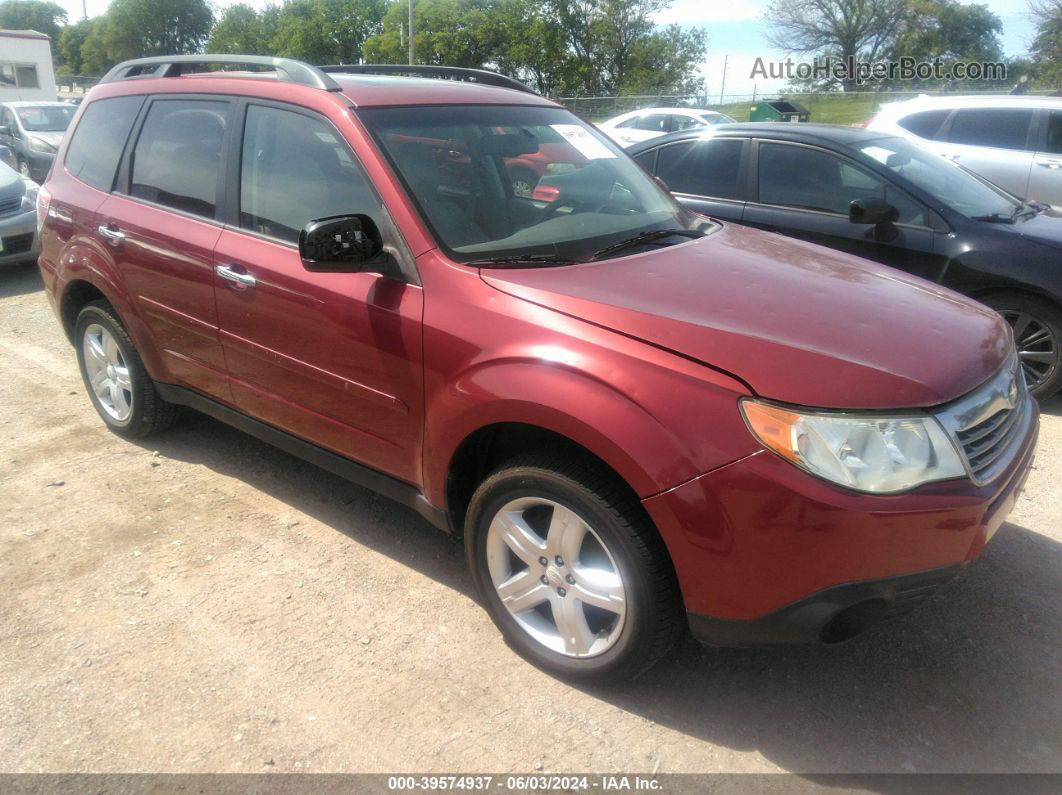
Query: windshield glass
x=950 y=184
x=502 y=181
x=45 y=118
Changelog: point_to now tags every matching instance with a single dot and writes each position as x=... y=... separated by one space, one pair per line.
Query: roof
x=31 y=103
x=787 y=131
x=23 y=34
x=379 y=90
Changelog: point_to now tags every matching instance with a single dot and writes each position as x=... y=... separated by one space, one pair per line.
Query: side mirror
x=872 y=210
x=339 y=244
x=5 y=130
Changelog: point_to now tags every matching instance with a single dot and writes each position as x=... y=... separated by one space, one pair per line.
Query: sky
x=736 y=35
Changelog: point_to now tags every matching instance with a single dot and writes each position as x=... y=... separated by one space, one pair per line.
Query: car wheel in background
x=1037 y=325
x=571 y=569
x=24 y=168
x=114 y=375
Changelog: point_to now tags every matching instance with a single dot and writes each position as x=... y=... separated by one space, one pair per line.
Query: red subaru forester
x=640 y=419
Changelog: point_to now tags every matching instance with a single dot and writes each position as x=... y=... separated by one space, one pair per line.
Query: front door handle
x=1049 y=163
x=111 y=233
x=243 y=280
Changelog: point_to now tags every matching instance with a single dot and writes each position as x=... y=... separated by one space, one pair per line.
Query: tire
x=24 y=168
x=620 y=555
x=1037 y=325
x=130 y=405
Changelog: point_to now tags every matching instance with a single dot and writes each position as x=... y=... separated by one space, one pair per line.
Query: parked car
x=886 y=199
x=638 y=419
x=641 y=125
x=7 y=157
x=18 y=217
x=33 y=130
x=1013 y=141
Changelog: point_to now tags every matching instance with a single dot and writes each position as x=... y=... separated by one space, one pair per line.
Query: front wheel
x=24 y=168
x=1037 y=326
x=571 y=570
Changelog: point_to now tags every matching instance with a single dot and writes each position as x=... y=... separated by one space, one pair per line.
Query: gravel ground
x=202 y=603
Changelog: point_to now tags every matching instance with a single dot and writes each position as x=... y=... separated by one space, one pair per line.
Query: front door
x=334 y=358
x=805 y=192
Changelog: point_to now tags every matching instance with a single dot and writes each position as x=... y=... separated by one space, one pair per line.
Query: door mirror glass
x=872 y=210
x=340 y=244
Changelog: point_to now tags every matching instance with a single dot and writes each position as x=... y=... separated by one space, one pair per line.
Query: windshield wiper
x=521 y=259
x=646 y=237
x=995 y=218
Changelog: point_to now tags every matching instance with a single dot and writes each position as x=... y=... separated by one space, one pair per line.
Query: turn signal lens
x=872 y=453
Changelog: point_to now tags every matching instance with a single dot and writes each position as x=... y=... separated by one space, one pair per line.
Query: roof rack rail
x=426 y=70
x=288 y=69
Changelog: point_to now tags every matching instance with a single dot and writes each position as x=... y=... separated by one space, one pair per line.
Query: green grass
x=824 y=108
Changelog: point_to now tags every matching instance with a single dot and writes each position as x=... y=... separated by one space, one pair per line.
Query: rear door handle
x=111 y=233
x=243 y=280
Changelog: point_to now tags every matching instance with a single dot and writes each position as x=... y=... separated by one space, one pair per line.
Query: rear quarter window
x=925 y=123
x=97 y=142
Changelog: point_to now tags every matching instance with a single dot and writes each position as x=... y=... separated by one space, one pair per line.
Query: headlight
x=29 y=198
x=877 y=454
x=38 y=145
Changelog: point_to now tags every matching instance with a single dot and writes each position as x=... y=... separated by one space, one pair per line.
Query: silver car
x=18 y=217
x=1013 y=141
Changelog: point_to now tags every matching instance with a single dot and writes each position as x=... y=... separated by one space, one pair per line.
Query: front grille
x=989 y=423
x=10 y=206
x=17 y=244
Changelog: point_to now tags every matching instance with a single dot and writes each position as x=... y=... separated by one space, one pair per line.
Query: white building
x=25 y=66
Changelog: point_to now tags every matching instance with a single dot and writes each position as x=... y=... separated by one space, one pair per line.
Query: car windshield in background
x=942 y=179
x=45 y=118
x=498 y=182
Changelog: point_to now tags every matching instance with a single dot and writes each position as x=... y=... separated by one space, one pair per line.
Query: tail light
x=545 y=193
x=867 y=122
x=44 y=198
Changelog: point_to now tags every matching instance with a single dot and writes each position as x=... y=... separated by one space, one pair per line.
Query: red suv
x=640 y=419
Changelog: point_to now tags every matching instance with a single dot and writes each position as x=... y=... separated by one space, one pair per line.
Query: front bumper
x=18 y=235
x=766 y=553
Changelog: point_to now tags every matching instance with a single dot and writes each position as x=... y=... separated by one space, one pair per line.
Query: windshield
x=498 y=181
x=45 y=118
x=943 y=180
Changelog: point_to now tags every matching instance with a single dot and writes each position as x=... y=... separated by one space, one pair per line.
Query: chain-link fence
x=831 y=106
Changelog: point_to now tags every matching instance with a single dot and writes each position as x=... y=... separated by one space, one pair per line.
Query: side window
x=1053 y=145
x=646 y=160
x=702 y=168
x=177 y=158
x=810 y=179
x=295 y=169
x=926 y=123
x=687 y=122
x=96 y=146
x=631 y=122
x=1002 y=128
x=653 y=122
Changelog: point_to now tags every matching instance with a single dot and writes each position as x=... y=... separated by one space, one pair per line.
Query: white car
x=641 y=125
x=1013 y=141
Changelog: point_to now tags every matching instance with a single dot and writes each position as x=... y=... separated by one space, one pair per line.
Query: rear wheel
x=119 y=386
x=1037 y=326
x=571 y=570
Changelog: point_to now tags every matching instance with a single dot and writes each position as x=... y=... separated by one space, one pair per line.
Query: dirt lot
x=204 y=602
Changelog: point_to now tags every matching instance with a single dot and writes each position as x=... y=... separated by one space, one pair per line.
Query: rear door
x=1045 y=179
x=805 y=192
x=707 y=175
x=996 y=143
x=334 y=358
x=161 y=225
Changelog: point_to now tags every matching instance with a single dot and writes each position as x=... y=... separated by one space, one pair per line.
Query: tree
x=46 y=18
x=71 y=41
x=240 y=30
x=949 y=30
x=844 y=29
x=326 y=31
x=138 y=28
x=1047 y=44
x=447 y=33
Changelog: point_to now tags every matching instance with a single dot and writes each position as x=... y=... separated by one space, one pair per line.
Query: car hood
x=1046 y=227
x=11 y=182
x=796 y=322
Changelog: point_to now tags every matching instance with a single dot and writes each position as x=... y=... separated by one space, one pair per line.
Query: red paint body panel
x=641 y=360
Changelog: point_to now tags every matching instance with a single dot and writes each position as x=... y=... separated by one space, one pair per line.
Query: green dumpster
x=778 y=110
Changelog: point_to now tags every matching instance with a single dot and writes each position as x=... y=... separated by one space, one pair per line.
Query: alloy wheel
x=556 y=577
x=108 y=372
x=1036 y=343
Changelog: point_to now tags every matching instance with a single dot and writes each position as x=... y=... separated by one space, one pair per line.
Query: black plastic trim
x=385 y=485
x=806 y=620
x=481 y=76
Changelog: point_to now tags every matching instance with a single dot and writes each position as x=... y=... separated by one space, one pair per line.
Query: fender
x=87 y=261
x=978 y=272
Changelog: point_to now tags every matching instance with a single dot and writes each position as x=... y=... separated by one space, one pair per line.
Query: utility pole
x=84 y=9
x=410 y=32
x=722 y=86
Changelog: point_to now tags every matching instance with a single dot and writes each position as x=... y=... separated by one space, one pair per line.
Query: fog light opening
x=852 y=620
